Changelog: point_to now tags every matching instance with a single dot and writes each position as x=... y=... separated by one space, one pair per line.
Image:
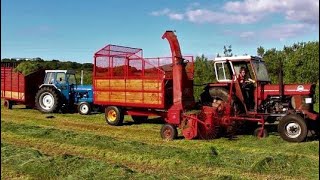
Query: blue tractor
x=60 y=92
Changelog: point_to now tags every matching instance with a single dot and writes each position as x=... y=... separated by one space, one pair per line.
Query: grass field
x=71 y=146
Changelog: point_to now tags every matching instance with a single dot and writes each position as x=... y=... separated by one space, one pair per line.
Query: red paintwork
x=18 y=88
x=182 y=88
x=289 y=89
x=113 y=63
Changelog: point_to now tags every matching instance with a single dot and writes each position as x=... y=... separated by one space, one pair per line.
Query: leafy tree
x=260 y=51
x=227 y=51
x=203 y=73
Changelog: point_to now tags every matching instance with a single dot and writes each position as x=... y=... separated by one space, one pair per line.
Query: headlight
x=308 y=100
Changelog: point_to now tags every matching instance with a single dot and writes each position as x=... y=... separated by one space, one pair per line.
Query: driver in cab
x=246 y=85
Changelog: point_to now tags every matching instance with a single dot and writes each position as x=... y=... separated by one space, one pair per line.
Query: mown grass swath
x=84 y=147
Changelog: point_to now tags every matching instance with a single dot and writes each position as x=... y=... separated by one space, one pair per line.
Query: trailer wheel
x=139 y=119
x=8 y=104
x=293 y=128
x=114 y=116
x=258 y=131
x=47 y=100
x=84 y=108
x=168 y=132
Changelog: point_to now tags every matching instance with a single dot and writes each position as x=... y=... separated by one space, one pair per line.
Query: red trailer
x=17 y=88
x=127 y=83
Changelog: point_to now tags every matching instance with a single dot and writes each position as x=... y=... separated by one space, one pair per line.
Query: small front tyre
x=168 y=132
x=84 y=108
x=293 y=128
x=260 y=133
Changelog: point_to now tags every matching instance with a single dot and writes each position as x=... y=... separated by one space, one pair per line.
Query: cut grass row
x=149 y=133
x=140 y=153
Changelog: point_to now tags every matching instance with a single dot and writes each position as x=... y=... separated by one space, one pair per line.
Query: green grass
x=71 y=146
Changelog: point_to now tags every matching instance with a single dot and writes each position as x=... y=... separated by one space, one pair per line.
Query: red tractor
x=291 y=105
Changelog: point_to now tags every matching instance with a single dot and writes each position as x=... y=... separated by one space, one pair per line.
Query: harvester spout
x=174 y=46
x=176 y=68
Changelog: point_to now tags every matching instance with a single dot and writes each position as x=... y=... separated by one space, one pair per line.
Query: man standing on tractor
x=246 y=85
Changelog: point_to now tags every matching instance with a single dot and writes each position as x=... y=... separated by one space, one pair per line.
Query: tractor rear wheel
x=114 y=116
x=139 y=119
x=293 y=128
x=84 y=108
x=47 y=100
x=168 y=132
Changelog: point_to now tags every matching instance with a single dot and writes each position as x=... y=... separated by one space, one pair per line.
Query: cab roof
x=240 y=58
x=62 y=71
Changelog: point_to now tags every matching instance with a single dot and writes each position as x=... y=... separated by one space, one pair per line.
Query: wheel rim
x=167 y=133
x=112 y=115
x=293 y=130
x=84 y=108
x=46 y=101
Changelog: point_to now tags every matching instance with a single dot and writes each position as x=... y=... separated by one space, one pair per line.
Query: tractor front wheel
x=84 y=108
x=114 y=116
x=168 y=132
x=293 y=128
x=47 y=100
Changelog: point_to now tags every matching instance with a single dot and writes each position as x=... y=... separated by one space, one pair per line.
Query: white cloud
x=169 y=13
x=248 y=11
x=285 y=31
x=176 y=16
x=247 y=34
x=162 y=12
x=207 y=16
x=306 y=11
x=275 y=32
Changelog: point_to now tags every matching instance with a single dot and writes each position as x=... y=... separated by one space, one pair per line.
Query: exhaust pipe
x=281 y=93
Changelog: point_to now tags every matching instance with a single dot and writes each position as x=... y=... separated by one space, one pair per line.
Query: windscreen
x=261 y=70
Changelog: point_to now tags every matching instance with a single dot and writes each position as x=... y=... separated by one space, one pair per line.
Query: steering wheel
x=247 y=85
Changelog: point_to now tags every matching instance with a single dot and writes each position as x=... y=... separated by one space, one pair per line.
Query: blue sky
x=74 y=30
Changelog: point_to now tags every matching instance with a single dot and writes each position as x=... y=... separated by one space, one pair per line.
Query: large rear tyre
x=114 y=116
x=47 y=100
x=293 y=128
x=84 y=108
x=168 y=132
x=139 y=119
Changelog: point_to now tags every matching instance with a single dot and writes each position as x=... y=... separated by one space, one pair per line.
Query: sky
x=74 y=30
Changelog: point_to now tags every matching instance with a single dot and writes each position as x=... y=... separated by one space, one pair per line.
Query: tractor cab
x=228 y=67
x=62 y=80
x=60 y=77
x=228 y=70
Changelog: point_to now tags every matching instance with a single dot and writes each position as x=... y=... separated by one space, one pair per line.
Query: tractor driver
x=246 y=85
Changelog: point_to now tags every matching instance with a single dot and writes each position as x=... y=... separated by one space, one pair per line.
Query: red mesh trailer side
x=122 y=77
x=18 y=88
x=12 y=84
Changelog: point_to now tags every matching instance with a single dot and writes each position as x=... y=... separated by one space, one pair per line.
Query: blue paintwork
x=84 y=93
